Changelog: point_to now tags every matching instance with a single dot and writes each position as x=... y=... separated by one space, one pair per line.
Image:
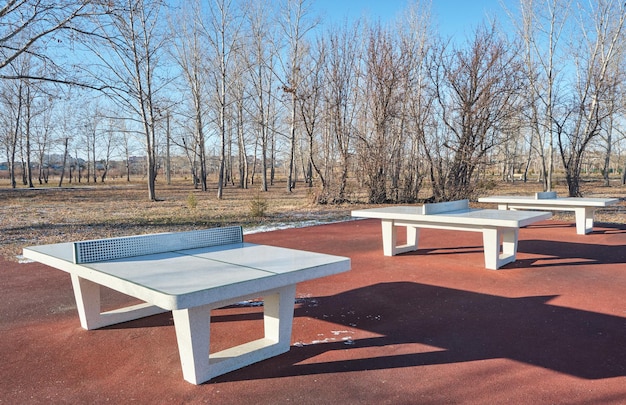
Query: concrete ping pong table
x=583 y=207
x=500 y=229
x=191 y=273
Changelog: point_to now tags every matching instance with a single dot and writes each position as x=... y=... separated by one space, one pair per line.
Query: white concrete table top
x=473 y=217
x=556 y=202
x=187 y=278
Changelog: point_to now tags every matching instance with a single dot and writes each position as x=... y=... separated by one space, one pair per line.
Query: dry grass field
x=88 y=211
x=51 y=214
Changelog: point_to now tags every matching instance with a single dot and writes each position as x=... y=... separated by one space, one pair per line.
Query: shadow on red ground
x=432 y=326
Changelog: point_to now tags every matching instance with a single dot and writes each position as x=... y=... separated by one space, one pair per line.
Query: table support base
x=390 y=247
x=193 y=336
x=87 y=294
x=584 y=220
x=491 y=244
x=499 y=244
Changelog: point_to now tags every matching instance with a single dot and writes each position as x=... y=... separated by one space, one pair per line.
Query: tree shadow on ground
x=462 y=326
x=553 y=252
x=556 y=253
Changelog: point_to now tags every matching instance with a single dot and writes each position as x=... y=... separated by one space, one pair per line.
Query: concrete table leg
x=193 y=329
x=509 y=245
x=491 y=245
x=390 y=238
x=584 y=220
x=87 y=295
x=193 y=337
x=412 y=237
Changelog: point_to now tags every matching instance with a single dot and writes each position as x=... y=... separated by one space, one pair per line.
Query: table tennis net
x=116 y=248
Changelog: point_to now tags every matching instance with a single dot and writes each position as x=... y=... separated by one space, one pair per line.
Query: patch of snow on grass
x=285 y=225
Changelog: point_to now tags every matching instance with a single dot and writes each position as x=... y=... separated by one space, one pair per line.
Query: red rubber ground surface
x=432 y=326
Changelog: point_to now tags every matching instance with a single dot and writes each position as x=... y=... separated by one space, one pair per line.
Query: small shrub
x=488 y=185
x=192 y=201
x=313 y=196
x=258 y=206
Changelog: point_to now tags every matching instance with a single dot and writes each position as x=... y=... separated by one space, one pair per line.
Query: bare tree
x=109 y=139
x=240 y=89
x=261 y=66
x=129 y=53
x=222 y=31
x=415 y=36
x=191 y=55
x=126 y=145
x=296 y=24
x=477 y=90
x=43 y=136
x=64 y=164
x=596 y=55
x=29 y=97
x=91 y=121
x=12 y=101
x=382 y=91
x=23 y=97
x=341 y=76
x=310 y=108
x=542 y=25
x=607 y=133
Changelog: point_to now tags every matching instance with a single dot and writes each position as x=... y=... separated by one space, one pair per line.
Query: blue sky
x=452 y=17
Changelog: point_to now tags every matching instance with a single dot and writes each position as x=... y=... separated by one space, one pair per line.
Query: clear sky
x=451 y=17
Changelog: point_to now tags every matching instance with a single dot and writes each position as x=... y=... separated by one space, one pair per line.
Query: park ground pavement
x=426 y=327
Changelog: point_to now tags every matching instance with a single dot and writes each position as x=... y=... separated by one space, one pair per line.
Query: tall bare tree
x=341 y=76
x=261 y=65
x=296 y=22
x=415 y=35
x=310 y=108
x=240 y=90
x=12 y=108
x=542 y=25
x=596 y=57
x=223 y=32
x=382 y=91
x=19 y=97
x=129 y=53
x=477 y=90
x=43 y=138
x=609 y=129
x=191 y=55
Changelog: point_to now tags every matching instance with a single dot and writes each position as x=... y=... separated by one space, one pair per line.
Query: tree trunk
x=292 y=142
x=65 y=153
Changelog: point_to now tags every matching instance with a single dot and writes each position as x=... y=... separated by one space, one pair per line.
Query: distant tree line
x=395 y=107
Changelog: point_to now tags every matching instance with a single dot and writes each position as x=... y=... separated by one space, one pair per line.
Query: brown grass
x=50 y=214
